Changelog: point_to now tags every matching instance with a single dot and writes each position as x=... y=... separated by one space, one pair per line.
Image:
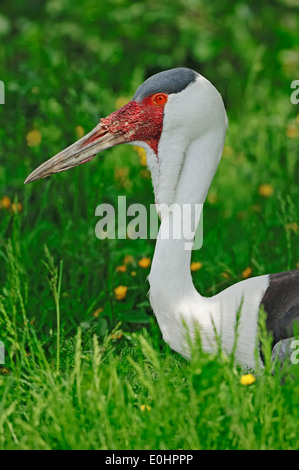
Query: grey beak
x=82 y=151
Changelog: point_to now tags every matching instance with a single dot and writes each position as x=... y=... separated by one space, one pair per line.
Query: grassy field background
x=83 y=368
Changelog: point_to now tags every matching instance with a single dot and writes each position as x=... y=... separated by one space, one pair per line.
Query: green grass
x=84 y=370
x=70 y=381
x=129 y=391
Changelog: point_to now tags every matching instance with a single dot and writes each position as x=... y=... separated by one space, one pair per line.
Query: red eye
x=160 y=99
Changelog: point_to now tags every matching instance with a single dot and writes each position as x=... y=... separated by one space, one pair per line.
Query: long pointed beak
x=82 y=151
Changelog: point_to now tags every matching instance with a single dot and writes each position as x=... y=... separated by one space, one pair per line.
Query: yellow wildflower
x=16 y=207
x=121 y=269
x=145 y=407
x=195 y=265
x=120 y=292
x=128 y=259
x=144 y=262
x=247 y=272
x=33 y=138
x=247 y=379
x=97 y=312
x=266 y=190
x=292 y=131
x=79 y=131
x=5 y=202
x=133 y=273
x=292 y=226
x=116 y=335
x=142 y=155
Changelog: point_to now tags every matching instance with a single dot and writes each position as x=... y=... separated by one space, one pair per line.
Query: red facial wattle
x=139 y=121
x=136 y=121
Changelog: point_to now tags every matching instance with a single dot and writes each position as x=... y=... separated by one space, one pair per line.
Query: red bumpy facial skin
x=141 y=121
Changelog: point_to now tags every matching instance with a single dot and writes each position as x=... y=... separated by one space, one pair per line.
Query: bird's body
x=178 y=305
x=178 y=117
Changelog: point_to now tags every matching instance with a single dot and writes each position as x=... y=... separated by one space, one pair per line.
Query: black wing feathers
x=281 y=303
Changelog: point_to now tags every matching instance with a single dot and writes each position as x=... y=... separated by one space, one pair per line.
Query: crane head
x=139 y=121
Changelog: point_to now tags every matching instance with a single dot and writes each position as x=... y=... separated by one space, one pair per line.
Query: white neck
x=187 y=160
x=173 y=296
x=170 y=270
